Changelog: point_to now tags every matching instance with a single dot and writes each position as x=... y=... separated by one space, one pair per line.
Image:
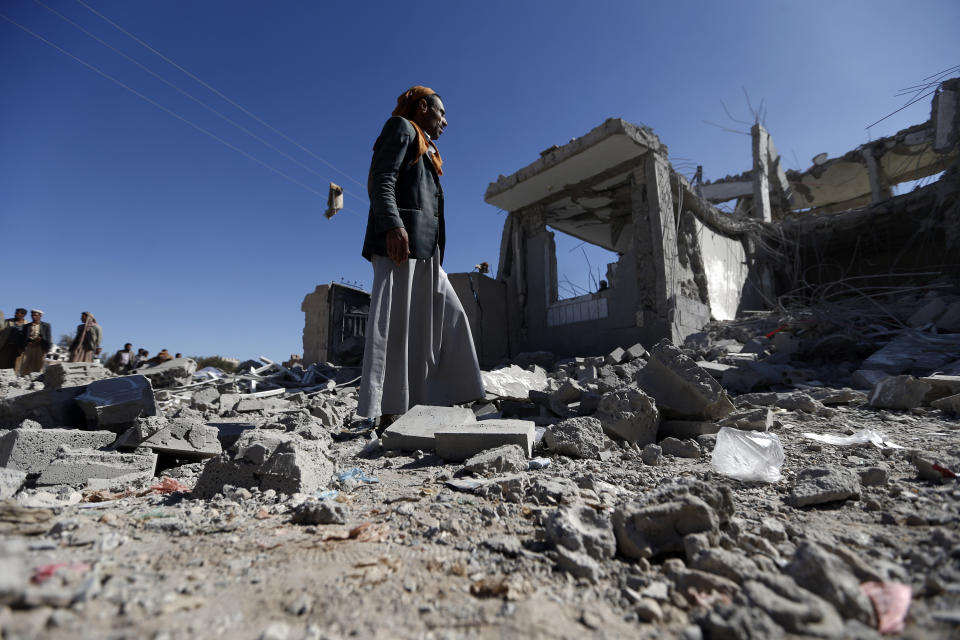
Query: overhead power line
x=163 y=108
x=188 y=95
x=218 y=93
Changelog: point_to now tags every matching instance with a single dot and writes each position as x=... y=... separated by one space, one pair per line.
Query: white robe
x=419 y=349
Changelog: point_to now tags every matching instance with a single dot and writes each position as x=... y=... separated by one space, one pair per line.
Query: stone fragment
x=686 y=428
x=184 y=437
x=555 y=490
x=648 y=610
x=58 y=375
x=416 y=428
x=115 y=403
x=11 y=481
x=687 y=580
x=558 y=401
x=874 y=477
x=798 y=402
x=792 y=607
x=942 y=386
x=928 y=313
x=616 y=356
x=749 y=419
x=829 y=396
x=820 y=485
x=728 y=564
x=634 y=352
x=682 y=390
x=648 y=530
x=578 y=564
x=459 y=443
x=506 y=459
x=629 y=414
x=652 y=455
x=680 y=448
x=576 y=438
x=913 y=352
x=32 y=450
x=206 y=399
x=819 y=571
x=320 y=512
x=583 y=529
x=898 y=392
x=268 y=459
x=172 y=373
x=79 y=466
x=229 y=432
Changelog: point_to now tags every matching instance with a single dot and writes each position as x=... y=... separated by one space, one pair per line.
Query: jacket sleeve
x=388 y=155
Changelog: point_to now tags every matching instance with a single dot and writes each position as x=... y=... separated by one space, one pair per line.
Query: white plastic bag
x=748 y=455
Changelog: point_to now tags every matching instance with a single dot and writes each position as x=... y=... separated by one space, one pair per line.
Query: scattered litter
x=538 y=463
x=864 y=436
x=748 y=455
x=466 y=484
x=357 y=475
x=326 y=495
x=891 y=601
x=169 y=485
x=46 y=571
x=514 y=382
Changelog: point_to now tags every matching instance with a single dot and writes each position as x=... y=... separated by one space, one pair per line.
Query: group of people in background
x=24 y=345
x=125 y=360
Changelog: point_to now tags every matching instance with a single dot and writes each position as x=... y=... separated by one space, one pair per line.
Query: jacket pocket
x=409 y=216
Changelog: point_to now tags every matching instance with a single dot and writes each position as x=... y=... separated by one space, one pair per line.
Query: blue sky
x=174 y=240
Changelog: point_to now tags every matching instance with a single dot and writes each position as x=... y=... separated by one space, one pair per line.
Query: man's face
x=434 y=120
x=19 y=315
x=36 y=317
x=83 y=317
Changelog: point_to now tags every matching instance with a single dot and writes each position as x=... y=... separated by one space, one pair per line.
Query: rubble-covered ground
x=260 y=506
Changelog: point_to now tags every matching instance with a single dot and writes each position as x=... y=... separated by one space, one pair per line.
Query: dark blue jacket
x=403 y=194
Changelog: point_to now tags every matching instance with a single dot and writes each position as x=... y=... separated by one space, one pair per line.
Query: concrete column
x=761 y=173
x=876 y=179
x=655 y=244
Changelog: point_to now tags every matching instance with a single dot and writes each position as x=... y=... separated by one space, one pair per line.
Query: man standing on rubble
x=419 y=349
x=38 y=341
x=12 y=340
x=87 y=339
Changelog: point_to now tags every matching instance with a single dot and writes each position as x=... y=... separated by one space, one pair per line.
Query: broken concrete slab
x=821 y=485
x=50 y=408
x=629 y=414
x=898 y=392
x=715 y=369
x=682 y=390
x=416 y=428
x=58 y=375
x=576 y=438
x=115 y=403
x=171 y=373
x=32 y=450
x=459 y=443
x=509 y=458
x=182 y=437
x=941 y=386
x=11 y=481
x=78 y=466
x=268 y=459
x=914 y=352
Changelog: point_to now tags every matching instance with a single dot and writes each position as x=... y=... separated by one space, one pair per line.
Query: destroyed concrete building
x=335 y=324
x=683 y=261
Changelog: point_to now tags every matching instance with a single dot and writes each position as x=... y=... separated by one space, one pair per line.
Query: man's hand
x=398 y=245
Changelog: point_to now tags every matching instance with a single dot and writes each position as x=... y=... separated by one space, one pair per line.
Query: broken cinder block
x=681 y=389
x=416 y=428
x=32 y=450
x=459 y=443
x=79 y=466
x=182 y=437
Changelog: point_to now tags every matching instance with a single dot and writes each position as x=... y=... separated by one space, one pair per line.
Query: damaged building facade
x=682 y=261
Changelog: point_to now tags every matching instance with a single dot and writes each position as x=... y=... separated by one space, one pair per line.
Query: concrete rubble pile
x=580 y=498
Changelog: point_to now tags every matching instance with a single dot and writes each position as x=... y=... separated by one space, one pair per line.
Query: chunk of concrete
x=79 y=466
x=584 y=529
x=629 y=414
x=634 y=352
x=32 y=450
x=649 y=530
x=115 y=403
x=461 y=442
x=182 y=437
x=898 y=392
x=58 y=375
x=616 y=356
x=821 y=485
x=268 y=459
x=416 y=428
x=576 y=438
x=506 y=459
x=715 y=369
x=941 y=386
x=171 y=373
x=50 y=408
x=750 y=419
x=206 y=399
x=949 y=404
x=680 y=448
x=914 y=352
x=681 y=389
x=569 y=391
x=11 y=481
x=817 y=570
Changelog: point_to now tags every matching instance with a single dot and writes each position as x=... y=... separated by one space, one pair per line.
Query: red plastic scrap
x=169 y=485
x=891 y=601
x=46 y=571
x=776 y=331
x=943 y=471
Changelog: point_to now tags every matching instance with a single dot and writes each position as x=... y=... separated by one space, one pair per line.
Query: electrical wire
x=218 y=93
x=188 y=95
x=163 y=108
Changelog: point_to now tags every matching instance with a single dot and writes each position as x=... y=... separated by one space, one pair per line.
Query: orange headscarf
x=405 y=102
